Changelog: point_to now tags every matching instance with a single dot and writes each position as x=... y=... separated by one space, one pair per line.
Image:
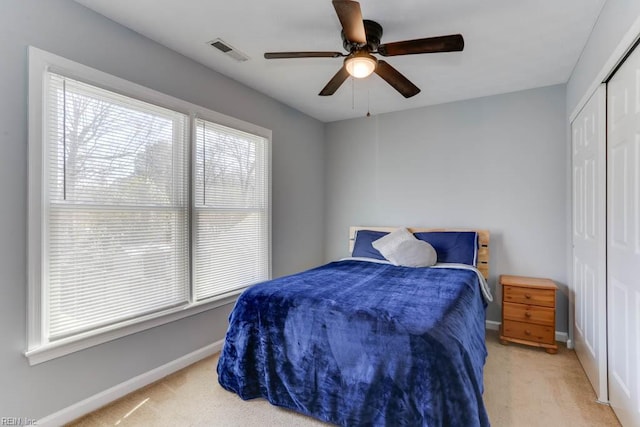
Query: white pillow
x=388 y=244
x=414 y=253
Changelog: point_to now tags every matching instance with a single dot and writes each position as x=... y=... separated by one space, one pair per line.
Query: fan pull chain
x=353 y=93
x=368 y=103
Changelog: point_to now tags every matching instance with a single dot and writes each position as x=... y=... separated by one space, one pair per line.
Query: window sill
x=70 y=345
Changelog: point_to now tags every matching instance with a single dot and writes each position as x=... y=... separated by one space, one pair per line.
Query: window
x=143 y=208
x=116 y=220
x=231 y=206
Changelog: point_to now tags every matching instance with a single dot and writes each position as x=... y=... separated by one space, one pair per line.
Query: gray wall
x=497 y=162
x=614 y=21
x=70 y=30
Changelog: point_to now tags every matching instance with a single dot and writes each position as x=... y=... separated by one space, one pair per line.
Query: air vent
x=228 y=50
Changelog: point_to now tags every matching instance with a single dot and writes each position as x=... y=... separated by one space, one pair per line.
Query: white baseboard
x=103 y=398
x=492 y=325
x=562 y=337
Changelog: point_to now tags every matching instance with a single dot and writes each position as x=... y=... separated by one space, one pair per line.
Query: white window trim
x=39 y=62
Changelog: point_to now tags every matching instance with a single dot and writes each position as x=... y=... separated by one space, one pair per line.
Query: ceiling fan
x=361 y=38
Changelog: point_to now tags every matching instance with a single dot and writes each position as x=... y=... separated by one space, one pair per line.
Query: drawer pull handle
x=527 y=296
x=527 y=314
x=527 y=332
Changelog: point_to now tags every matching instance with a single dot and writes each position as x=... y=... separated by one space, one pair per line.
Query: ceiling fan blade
x=285 y=55
x=395 y=79
x=335 y=82
x=452 y=43
x=350 y=18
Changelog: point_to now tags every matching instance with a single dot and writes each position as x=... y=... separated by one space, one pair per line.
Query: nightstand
x=529 y=312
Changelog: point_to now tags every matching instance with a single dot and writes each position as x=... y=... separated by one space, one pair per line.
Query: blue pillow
x=459 y=247
x=362 y=246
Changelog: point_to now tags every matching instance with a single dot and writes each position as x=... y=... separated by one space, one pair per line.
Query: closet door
x=589 y=240
x=623 y=246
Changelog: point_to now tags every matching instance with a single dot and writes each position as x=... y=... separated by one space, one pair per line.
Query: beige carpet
x=524 y=386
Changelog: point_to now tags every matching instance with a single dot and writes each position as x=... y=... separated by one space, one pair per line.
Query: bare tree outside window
x=112 y=154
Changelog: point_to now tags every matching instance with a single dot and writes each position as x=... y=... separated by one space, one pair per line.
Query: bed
x=361 y=341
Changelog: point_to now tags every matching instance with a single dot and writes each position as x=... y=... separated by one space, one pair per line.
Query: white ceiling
x=510 y=45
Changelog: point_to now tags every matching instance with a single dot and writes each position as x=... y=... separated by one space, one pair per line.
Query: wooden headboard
x=483 y=240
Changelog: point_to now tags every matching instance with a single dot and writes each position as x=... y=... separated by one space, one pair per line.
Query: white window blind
x=231 y=210
x=116 y=208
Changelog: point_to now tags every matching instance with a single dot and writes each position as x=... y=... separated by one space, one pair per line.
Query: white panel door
x=589 y=240
x=623 y=241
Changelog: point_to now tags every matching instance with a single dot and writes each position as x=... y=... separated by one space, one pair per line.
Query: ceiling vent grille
x=228 y=50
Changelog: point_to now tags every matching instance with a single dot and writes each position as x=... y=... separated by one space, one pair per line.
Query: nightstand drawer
x=529 y=313
x=529 y=332
x=543 y=297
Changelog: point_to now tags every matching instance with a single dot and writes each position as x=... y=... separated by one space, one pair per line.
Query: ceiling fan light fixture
x=361 y=37
x=361 y=65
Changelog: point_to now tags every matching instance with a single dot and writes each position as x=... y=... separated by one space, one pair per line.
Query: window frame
x=39 y=62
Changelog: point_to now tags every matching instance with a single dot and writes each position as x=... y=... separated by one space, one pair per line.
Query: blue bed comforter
x=360 y=343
